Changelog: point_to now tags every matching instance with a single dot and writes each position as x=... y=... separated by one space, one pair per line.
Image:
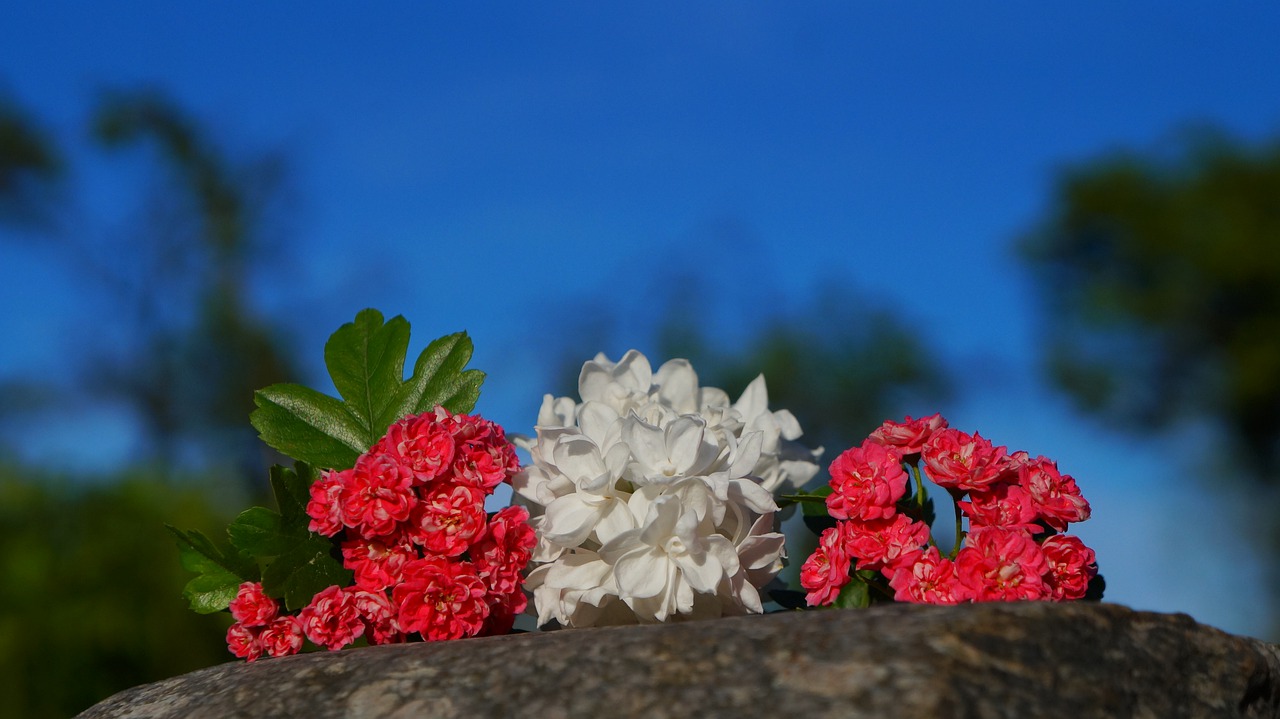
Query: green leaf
x=855 y=595
x=439 y=379
x=298 y=562
x=303 y=571
x=220 y=573
x=365 y=359
x=307 y=425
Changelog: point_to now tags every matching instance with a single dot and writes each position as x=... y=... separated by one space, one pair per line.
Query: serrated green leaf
x=439 y=379
x=220 y=573
x=259 y=532
x=855 y=595
x=307 y=425
x=365 y=359
x=297 y=560
x=303 y=571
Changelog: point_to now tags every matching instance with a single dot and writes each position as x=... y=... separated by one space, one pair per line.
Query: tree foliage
x=91 y=599
x=1162 y=281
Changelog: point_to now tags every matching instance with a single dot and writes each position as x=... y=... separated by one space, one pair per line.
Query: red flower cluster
x=1016 y=509
x=410 y=521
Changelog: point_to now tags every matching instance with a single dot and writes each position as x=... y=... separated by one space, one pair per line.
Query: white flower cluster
x=653 y=497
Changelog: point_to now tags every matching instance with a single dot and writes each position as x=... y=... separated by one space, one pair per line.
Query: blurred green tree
x=31 y=168
x=91 y=598
x=202 y=349
x=873 y=366
x=1161 y=276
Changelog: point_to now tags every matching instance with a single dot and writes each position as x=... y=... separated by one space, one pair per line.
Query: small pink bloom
x=377 y=562
x=866 y=482
x=379 y=616
x=909 y=435
x=1001 y=505
x=826 y=571
x=331 y=619
x=930 y=580
x=422 y=443
x=1055 y=495
x=448 y=519
x=1000 y=564
x=282 y=637
x=325 y=506
x=477 y=465
x=379 y=495
x=252 y=607
x=887 y=543
x=440 y=599
x=243 y=641
x=1071 y=566
x=958 y=461
x=502 y=552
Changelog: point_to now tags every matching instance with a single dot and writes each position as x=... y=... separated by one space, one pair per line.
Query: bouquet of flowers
x=649 y=498
x=876 y=539
x=381 y=530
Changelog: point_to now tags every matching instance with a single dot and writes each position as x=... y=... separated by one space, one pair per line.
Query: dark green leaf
x=855 y=595
x=259 y=532
x=220 y=572
x=304 y=570
x=307 y=425
x=365 y=359
x=439 y=379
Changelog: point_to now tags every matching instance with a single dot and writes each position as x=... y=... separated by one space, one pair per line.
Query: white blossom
x=653 y=498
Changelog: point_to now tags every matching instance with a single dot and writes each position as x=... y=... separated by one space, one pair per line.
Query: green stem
x=921 y=497
x=955 y=549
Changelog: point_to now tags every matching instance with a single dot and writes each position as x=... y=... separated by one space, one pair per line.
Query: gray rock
x=1020 y=660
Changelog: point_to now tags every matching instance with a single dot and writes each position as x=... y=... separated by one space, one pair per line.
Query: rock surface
x=1020 y=660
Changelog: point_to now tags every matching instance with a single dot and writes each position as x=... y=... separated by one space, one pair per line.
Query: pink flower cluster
x=1016 y=508
x=410 y=522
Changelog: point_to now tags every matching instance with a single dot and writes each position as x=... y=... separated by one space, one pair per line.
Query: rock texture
x=1021 y=660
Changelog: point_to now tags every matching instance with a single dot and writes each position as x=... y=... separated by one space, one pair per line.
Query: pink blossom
x=1055 y=495
x=826 y=571
x=480 y=466
x=331 y=619
x=421 y=443
x=887 y=543
x=379 y=616
x=866 y=482
x=958 y=461
x=448 y=519
x=252 y=607
x=440 y=599
x=379 y=495
x=377 y=562
x=1071 y=566
x=243 y=641
x=909 y=435
x=930 y=580
x=282 y=637
x=999 y=564
x=504 y=550
x=1001 y=505
x=325 y=506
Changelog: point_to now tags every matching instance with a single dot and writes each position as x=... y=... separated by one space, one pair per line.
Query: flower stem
x=955 y=549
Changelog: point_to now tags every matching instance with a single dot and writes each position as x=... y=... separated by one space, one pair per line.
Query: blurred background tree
x=91 y=602
x=1161 y=278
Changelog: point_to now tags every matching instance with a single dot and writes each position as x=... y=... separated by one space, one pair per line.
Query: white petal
x=754 y=400
x=569 y=520
x=641 y=573
x=678 y=386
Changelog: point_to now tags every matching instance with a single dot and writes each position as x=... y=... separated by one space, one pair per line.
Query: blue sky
x=510 y=170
